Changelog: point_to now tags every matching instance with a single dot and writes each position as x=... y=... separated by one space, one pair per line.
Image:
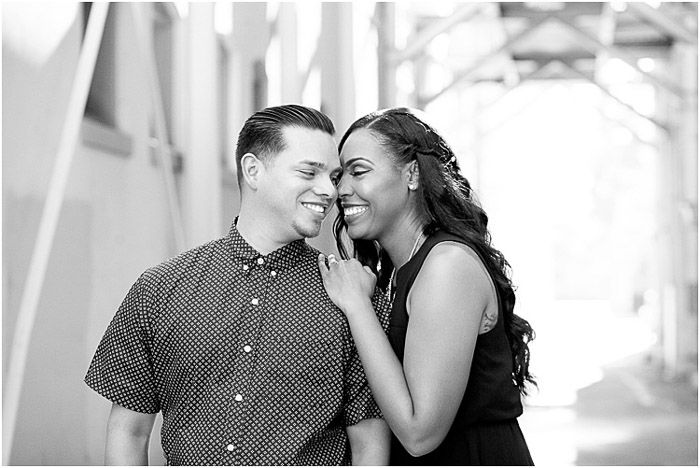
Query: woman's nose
x=344 y=187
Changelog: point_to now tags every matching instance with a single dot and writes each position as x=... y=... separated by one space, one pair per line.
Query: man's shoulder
x=185 y=263
x=310 y=253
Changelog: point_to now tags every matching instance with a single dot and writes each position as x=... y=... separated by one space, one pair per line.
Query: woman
x=449 y=377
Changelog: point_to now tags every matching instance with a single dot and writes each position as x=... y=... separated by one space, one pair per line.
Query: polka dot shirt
x=245 y=355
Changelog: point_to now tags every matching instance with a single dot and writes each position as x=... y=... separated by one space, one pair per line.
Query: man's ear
x=251 y=168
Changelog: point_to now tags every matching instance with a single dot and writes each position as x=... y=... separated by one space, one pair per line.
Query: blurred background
x=575 y=122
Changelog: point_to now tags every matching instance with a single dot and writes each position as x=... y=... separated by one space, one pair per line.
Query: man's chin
x=308 y=230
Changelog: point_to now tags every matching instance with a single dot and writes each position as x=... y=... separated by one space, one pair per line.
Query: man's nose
x=326 y=188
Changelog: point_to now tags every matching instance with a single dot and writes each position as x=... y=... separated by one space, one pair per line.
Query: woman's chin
x=357 y=233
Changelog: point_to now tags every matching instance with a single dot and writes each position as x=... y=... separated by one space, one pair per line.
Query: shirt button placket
x=250 y=323
x=258 y=278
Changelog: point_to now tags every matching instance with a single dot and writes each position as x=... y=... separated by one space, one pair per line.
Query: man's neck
x=258 y=232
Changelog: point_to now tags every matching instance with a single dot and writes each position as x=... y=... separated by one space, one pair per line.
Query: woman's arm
x=419 y=400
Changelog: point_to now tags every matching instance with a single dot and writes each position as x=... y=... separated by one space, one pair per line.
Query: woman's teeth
x=354 y=210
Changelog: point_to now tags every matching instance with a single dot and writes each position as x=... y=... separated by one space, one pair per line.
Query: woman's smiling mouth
x=355 y=210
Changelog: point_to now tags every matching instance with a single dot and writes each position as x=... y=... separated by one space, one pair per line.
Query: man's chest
x=244 y=328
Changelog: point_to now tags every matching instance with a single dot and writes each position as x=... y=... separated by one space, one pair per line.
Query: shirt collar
x=283 y=258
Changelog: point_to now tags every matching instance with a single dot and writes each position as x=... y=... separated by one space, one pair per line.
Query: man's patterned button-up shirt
x=245 y=355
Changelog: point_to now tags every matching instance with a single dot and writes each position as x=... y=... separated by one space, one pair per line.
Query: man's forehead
x=317 y=146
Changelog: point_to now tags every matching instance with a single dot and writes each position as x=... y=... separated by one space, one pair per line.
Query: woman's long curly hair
x=446 y=199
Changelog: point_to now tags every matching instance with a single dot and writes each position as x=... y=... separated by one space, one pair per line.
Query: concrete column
x=685 y=58
x=202 y=160
x=678 y=215
x=420 y=64
x=337 y=86
x=386 y=47
x=289 y=62
x=337 y=73
x=249 y=42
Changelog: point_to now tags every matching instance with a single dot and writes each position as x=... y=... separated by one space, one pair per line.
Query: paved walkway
x=632 y=416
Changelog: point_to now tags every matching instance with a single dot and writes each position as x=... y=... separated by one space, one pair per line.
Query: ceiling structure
x=510 y=42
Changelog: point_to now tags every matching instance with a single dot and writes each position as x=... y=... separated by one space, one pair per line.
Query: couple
x=260 y=351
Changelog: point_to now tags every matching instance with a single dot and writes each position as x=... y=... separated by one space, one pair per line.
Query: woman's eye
x=358 y=172
x=307 y=173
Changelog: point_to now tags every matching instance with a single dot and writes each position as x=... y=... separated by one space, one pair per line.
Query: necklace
x=390 y=289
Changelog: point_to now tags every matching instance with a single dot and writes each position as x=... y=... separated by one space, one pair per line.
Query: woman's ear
x=251 y=168
x=412 y=175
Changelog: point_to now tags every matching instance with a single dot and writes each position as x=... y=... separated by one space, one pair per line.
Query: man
x=236 y=341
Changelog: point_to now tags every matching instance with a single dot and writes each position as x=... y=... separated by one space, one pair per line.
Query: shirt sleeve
x=382 y=307
x=121 y=369
x=360 y=403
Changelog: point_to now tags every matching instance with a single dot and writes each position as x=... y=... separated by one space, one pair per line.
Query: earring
x=412 y=186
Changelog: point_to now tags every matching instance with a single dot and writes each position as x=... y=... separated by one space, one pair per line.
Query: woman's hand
x=347 y=282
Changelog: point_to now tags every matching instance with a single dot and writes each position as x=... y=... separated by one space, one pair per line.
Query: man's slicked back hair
x=262 y=132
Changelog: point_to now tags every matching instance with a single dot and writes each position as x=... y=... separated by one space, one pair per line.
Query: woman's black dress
x=485 y=430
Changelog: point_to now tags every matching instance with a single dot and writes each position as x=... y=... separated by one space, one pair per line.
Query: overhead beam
x=506 y=46
x=662 y=22
x=433 y=30
x=594 y=44
x=540 y=56
x=608 y=93
x=541 y=9
x=511 y=74
x=47 y=226
x=509 y=88
x=623 y=124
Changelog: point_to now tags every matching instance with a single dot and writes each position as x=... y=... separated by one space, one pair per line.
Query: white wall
x=114 y=224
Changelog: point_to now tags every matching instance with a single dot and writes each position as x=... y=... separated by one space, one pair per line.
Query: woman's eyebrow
x=356 y=159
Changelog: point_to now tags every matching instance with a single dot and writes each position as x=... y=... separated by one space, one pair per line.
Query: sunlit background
x=576 y=124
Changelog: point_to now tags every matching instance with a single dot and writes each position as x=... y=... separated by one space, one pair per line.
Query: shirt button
x=273 y=273
x=229 y=447
x=245 y=267
x=261 y=261
x=238 y=397
x=254 y=301
x=247 y=349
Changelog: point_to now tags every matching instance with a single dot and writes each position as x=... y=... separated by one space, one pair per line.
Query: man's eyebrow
x=317 y=164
